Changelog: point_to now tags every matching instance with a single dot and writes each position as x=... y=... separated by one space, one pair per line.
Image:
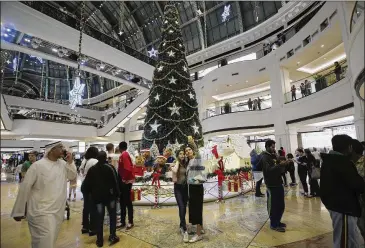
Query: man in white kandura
x=44 y=192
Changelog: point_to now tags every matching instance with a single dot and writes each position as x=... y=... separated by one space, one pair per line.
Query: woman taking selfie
x=181 y=189
x=196 y=177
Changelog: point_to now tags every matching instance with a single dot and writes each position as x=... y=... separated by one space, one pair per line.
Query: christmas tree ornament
x=196 y=128
x=226 y=12
x=160 y=68
x=154 y=126
x=171 y=53
x=172 y=80
x=174 y=110
x=152 y=52
x=120 y=32
x=154 y=150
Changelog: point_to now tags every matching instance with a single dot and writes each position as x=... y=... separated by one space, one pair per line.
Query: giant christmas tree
x=172 y=110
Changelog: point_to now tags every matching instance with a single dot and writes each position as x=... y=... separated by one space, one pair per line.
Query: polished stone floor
x=239 y=222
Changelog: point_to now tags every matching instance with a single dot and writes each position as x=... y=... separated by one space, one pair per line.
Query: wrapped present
x=139 y=171
x=136 y=194
x=233 y=186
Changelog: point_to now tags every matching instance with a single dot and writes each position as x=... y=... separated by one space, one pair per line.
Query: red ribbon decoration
x=220 y=177
x=156 y=178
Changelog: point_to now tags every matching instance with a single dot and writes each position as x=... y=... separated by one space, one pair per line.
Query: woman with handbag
x=313 y=172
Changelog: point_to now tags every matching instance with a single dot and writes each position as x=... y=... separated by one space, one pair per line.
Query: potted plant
x=227 y=107
x=320 y=82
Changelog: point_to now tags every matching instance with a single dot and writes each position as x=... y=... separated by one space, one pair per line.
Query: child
x=72 y=188
x=291 y=169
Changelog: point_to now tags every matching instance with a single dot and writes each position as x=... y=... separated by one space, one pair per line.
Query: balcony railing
x=240 y=107
x=316 y=82
x=71 y=21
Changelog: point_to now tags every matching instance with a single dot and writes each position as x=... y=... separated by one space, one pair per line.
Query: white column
x=280 y=85
x=344 y=10
x=217 y=108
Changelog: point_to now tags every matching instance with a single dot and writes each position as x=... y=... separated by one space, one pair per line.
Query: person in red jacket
x=126 y=175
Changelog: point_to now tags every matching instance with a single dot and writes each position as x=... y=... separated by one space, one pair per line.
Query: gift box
x=233 y=186
x=135 y=194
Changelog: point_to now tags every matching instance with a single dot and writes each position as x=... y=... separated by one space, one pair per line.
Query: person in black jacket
x=341 y=186
x=275 y=191
x=311 y=165
x=338 y=71
x=291 y=169
x=303 y=170
x=101 y=182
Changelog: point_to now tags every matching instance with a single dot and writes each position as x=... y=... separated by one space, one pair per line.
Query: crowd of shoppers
x=255 y=104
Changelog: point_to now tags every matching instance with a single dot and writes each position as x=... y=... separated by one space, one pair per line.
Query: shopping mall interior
x=90 y=73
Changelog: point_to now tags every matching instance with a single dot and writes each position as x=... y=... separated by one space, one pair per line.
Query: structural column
x=285 y=136
x=354 y=48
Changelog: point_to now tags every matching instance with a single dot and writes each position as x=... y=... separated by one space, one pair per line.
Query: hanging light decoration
x=77 y=91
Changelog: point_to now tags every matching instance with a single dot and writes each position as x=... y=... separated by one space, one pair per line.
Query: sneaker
x=195 y=238
x=260 y=195
x=182 y=231
x=99 y=243
x=282 y=224
x=285 y=185
x=129 y=226
x=186 y=237
x=69 y=199
x=278 y=229
x=84 y=230
x=202 y=231
x=113 y=240
x=91 y=233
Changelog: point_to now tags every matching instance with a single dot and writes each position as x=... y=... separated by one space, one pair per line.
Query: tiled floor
x=239 y=222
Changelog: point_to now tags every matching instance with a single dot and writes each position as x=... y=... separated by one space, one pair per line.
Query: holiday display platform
x=229 y=184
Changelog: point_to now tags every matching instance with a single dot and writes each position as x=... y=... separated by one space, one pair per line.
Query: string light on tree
x=185 y=68
x=120 y=32
x=152 y=52
x=226 y=12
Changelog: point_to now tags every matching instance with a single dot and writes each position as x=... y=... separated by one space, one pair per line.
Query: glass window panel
x=216 y=34
x=222 y=30
x=196 y=42
x=269 y=9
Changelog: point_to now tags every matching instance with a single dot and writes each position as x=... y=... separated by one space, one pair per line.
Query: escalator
x=120 y=119
x=6 y=121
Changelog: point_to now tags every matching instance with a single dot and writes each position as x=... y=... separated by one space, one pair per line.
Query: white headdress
x=52 y=145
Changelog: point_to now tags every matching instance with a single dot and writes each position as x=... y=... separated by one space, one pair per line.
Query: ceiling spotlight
x=8 y=29
x=27 y=40
x=6 y=35
x=54 y=50
x=246 y=81
x=322 y=46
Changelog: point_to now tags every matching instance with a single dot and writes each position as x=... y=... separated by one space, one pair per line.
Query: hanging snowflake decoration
x=226 y=12
x=152 y=52
x=76 y=93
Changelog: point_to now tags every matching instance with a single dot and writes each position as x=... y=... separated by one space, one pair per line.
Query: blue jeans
x=181 y=195
x=112 y=210
x=275 y=204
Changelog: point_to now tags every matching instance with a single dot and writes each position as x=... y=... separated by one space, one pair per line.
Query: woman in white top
x=89 y=211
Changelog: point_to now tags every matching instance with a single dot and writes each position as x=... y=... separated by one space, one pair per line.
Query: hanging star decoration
x=171 y=31
x=160 y=68
x=157 y=97
x=191 y=95
x=172 y=80
x=166 y=21
x=226 y=12
x=75 y=95
x=174 y=110
x=154 y=126
x=164 y=44
x=152 y=52
x=196 y=128
x=171 y=53
x=8 y=62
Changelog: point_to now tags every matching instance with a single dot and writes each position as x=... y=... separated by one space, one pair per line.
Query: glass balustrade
x=316 y=82
x=71 y=21
x=241 y=106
